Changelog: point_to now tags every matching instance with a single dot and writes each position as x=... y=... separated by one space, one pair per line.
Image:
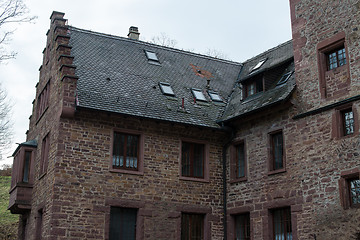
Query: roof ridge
x=269 y=50
x=155 y=45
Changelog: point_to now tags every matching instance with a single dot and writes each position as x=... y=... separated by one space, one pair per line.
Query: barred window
x=242 y=227
x=192 y=226
x=192 y=159
x=122 y=223
x=282 y=224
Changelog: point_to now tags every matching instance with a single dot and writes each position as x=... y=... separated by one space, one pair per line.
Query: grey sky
x=239 y=29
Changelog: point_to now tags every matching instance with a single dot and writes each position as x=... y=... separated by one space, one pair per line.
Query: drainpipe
x=227 y=144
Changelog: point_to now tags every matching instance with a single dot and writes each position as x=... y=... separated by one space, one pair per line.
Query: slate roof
x=279 y=60
x=116 y=76
x=31 y=143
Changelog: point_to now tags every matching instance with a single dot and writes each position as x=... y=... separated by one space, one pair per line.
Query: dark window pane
x=354 y=185
x=122 y=223
x=242 y=227
x=282 y=224
x=26 y=166
x=125 y=151
x=192 y=226
x=192 y=159
x=348 y=122
x=277 y=150
x=336 y=58
x=240 y=160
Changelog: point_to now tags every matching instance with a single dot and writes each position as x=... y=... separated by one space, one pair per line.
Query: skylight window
x=215 y=96
x=198 y=94
x=166 y=89
x=258 y=65
x=151 y=56
x=284 y=78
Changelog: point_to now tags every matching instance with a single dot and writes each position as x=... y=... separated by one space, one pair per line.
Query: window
x=242 y=227
x=125 y=151
x=26 y=169
x=122 y=223
x=276 y=151
x=43 y=100
x=166 y=89
x=284 y=78
x=198 y=95
x=215 y=96
x=192 y=159
x=336 y=58
x=240 y=169
x=254 y=86
x=347 y=118
x=39 y=224
x=349 y=188
x=258 y=65
x=44 y=154
x=151 y=56
x=192 y=226
x=281 y=219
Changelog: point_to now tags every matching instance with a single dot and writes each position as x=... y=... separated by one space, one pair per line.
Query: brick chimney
x=133 y=33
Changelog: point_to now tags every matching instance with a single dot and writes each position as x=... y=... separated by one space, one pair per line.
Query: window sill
x=133 y=172
x=194 y=179
x=236 y=180
x=273 y=172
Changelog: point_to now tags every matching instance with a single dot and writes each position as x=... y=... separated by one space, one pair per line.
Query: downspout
x=227 y=144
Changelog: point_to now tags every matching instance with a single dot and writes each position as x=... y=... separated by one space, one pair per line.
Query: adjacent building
x=131 y=140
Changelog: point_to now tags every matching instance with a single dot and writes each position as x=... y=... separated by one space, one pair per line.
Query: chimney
x=133 y=33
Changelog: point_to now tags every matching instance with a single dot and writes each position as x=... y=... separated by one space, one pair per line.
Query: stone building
x=130 y=140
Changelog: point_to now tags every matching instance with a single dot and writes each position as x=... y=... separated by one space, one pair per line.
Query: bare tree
x=11 y=11
x=216 y=54
x=6 y=124
x=164 y=40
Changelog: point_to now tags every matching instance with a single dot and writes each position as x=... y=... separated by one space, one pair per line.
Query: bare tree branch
x=164 y=40
x=6 y=124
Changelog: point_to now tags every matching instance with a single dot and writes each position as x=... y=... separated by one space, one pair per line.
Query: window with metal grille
x=276 y=151
x=282 y=224
x=125 y=151
x=192 y=159
x=192 y=226
x=347 y=121
x=336 y=58
x=240 y=160
x=354 y=191
x=122 y=223
x=242 y=227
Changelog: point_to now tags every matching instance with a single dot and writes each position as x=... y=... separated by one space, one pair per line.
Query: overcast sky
x=237 y=28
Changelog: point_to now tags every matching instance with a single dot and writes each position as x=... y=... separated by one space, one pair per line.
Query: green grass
x=8 y=221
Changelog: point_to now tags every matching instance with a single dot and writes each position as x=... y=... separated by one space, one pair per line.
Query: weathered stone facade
x=75 y=193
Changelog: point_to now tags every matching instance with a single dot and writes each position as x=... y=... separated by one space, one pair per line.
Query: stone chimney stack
x=133 y=33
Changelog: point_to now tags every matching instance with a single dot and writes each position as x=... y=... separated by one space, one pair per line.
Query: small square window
x=336 y=58
x=242 y=226
x=215 y=96
x=166 y=89
x=151 y=56
x=198 y=94
x=276 y=151
x=192 y=226
x=347 y=118
x=125 y=151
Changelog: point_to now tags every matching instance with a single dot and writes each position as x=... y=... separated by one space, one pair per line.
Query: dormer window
x=253 y=87
x=166 y=89
x=151 y=56
x=215 y=96
x=198 y=95
x=284 y=78
x=258 y=65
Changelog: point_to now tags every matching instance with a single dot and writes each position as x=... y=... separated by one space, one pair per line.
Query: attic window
x=284 y=78
x=166 y=89
x=198 y=94
x=151 y=56
x=215 y=96
x=258 y=65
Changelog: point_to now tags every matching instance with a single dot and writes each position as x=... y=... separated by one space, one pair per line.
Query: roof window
x=284 y=78
x=198 y=94
x=258 y=65
x=215 y=96
x=151 y=56
x=166 y=89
